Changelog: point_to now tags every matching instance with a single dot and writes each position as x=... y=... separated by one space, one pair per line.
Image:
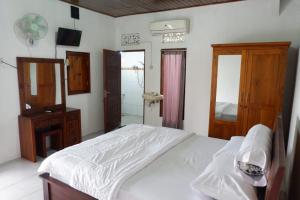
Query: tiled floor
x=131 y=119
x=19 y=179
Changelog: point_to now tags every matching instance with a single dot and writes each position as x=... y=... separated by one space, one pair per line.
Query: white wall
x=97 y=30
x=245 y=21
x=228 y=81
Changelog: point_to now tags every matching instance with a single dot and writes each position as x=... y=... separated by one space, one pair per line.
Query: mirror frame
x=54 y=108
x=212 y=120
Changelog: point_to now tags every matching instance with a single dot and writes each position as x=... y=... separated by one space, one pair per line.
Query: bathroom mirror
x=228 y=84
x=41 y=84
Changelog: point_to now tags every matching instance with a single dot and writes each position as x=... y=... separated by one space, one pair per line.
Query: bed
x=171 y=170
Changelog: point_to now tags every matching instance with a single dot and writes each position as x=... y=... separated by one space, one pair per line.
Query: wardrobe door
x=265 y=77
x=226 y=93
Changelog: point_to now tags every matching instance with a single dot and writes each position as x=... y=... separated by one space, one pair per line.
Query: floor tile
x=19 y=179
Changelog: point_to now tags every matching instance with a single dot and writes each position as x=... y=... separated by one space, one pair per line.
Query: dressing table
x=43 y=108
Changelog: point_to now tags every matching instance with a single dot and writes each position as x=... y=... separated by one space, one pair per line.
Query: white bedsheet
x=99 y=166
x=169 y=176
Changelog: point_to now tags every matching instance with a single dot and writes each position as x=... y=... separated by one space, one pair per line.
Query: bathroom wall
x=132 y=83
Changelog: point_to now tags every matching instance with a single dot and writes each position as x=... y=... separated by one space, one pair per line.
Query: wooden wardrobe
x=247 y=86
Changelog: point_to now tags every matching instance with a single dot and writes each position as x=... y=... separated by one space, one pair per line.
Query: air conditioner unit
x=172 y=26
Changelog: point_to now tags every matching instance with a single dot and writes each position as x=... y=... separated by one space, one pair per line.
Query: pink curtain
x=173 y=88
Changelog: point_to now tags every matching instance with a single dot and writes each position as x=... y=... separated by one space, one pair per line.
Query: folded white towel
x=233 y=145
x=256 y=147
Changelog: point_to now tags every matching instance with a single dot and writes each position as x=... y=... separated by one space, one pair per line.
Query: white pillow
x=233 y=145
x=220 y=181
x=256 y=148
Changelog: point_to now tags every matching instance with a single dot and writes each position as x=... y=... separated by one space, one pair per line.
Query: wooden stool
x=56 y=137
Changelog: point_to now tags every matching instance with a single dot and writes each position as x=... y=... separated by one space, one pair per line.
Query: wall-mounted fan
x=31 y=28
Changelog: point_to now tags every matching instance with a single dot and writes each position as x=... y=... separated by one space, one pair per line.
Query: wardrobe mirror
x=228 y=84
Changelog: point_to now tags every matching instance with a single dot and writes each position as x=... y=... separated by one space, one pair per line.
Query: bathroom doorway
x=132 y=86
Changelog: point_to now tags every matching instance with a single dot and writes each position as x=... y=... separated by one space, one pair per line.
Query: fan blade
x=38 y=20
x=35 y=35
x=41 y=21
x=25 y=24
x=42 y=34
x=43 y=28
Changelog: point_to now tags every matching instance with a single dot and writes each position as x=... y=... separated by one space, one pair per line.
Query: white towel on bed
x=257 y=147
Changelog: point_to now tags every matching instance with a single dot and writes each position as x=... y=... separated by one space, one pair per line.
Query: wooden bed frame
x=57 y=190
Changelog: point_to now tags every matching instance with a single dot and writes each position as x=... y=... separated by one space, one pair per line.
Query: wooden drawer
x=43 y=124
x=72 y=128
x=56 y=122
x=73 y=115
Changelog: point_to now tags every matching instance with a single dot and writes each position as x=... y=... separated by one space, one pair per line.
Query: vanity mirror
x=41 y=84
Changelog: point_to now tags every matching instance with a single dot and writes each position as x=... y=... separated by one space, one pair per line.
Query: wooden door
x=264 y=90
x=112 y=89
x=225 y=128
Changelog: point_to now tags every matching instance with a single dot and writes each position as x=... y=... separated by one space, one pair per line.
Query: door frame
x=136 y=50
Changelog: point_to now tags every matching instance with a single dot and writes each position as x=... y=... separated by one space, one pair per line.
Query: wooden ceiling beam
x=120 y=8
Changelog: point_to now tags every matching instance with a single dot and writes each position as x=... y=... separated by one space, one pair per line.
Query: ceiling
x=118 y=8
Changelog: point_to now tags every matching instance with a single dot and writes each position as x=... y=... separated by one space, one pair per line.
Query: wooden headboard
x=277 y=171
x=294 y=192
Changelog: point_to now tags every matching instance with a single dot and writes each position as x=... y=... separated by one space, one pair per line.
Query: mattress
x=169 y=176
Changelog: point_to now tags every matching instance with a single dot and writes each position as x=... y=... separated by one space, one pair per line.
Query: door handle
x=106 y=93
